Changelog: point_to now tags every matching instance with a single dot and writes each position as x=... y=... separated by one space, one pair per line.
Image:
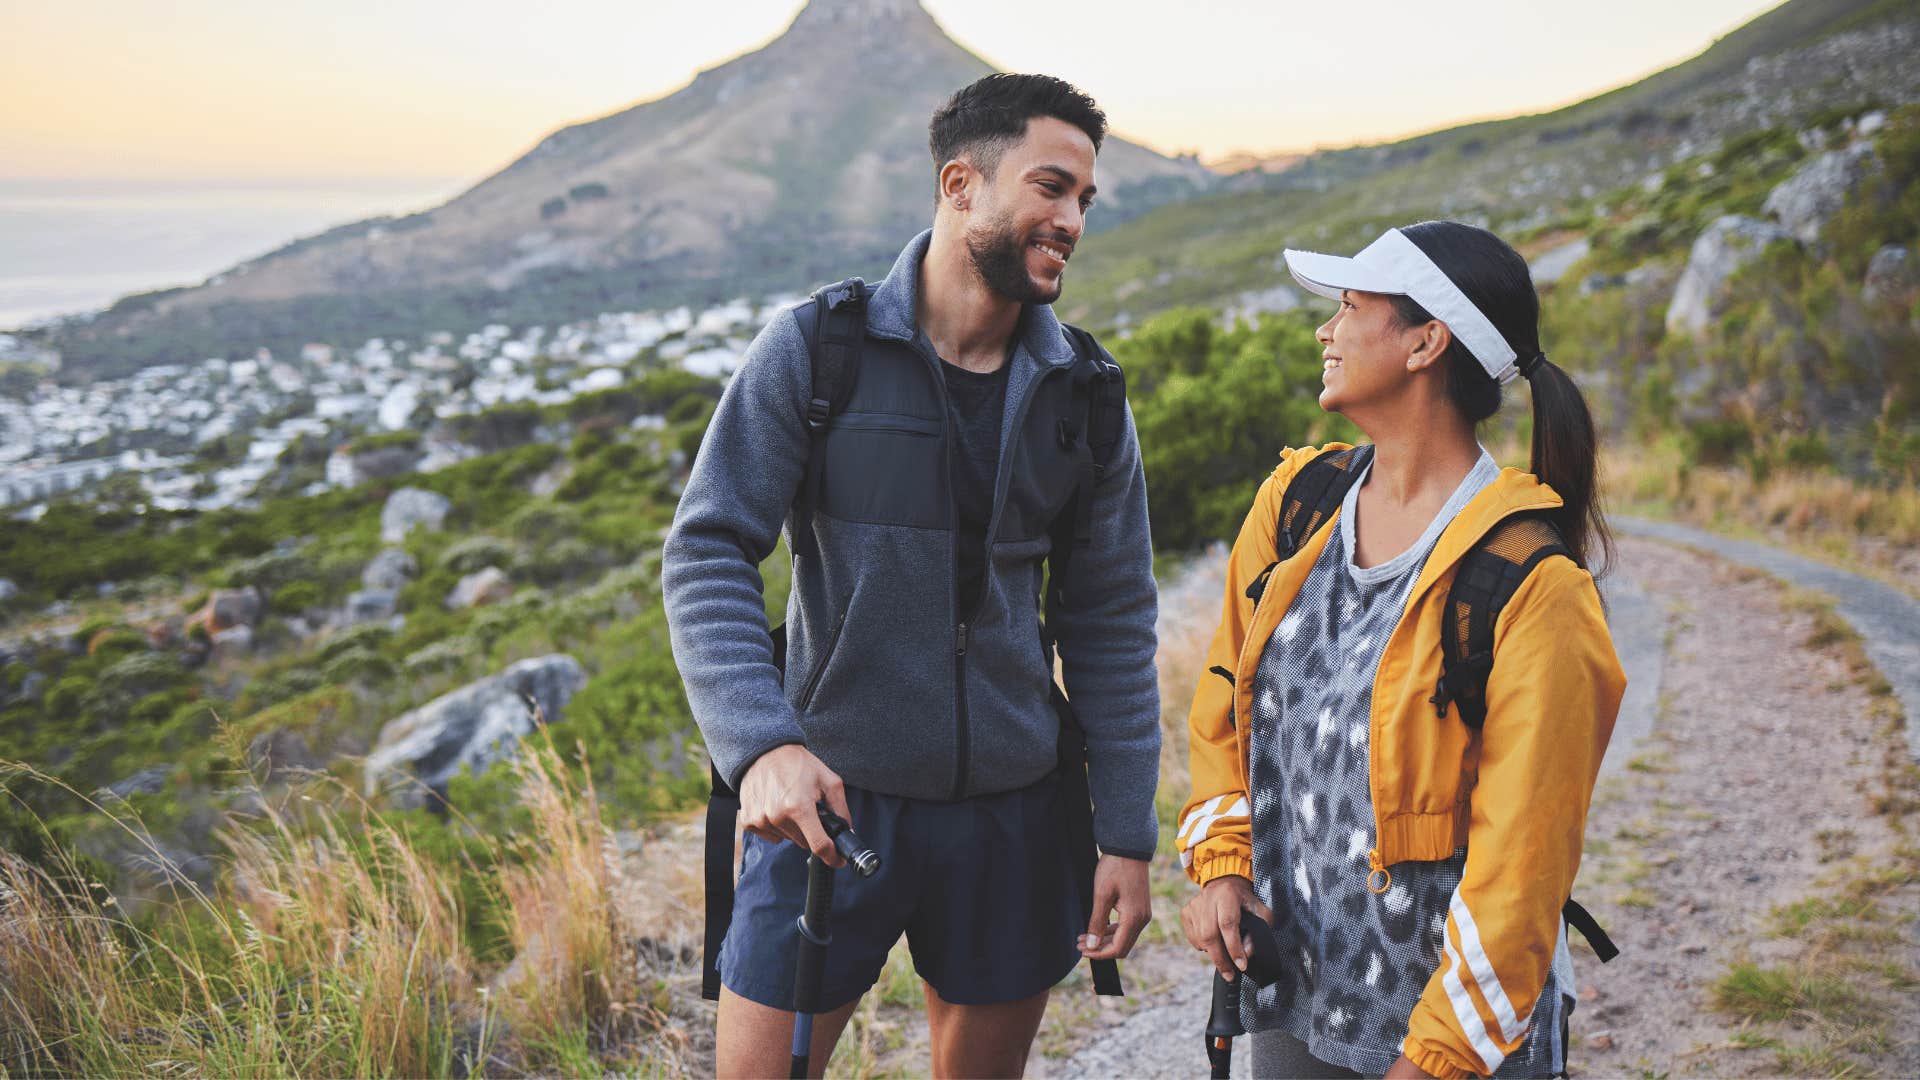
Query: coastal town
x=204 y=436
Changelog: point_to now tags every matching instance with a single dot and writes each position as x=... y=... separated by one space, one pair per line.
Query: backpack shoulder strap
x=1311 y=499
x=1492 y=570
x=1090 y=430
x=834 y=337
x=1489 y=574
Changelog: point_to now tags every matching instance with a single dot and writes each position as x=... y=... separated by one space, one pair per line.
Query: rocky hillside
x=802 y=161
x=1803 y=65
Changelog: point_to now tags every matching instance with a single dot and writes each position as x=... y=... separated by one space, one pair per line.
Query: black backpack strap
x=1580 y=919
x=1091 y=431
x=723 y=819
x=1311 y=499
x=834 y=338
x=1489 y=574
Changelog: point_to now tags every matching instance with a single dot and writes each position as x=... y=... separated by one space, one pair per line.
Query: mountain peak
x=833 y=11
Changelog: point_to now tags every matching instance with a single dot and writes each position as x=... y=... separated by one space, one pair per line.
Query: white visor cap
x=1393 y=265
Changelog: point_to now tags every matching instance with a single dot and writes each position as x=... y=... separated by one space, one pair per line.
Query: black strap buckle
x=1456 y=678
x=818 y=412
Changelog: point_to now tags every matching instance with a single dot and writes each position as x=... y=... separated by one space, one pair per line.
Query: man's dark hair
x=982 y=120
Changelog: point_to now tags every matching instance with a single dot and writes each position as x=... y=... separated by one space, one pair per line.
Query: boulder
x=1724 y=247
x=234 y=641
x=410 y=507
x=384 y=462
x=473 y=726
x=369 y=605
x=1892 y=276
x=228 y=608
x=1552 y=265
x=273 y=754
x=1807 y=200
x=391 y=569
x=151 y=780
x=488 y=586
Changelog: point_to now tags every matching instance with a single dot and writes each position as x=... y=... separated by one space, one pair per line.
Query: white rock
x=488 y=586
x=1728 y=244
x=1807 y=200
x=409 y=507
x=472 y=726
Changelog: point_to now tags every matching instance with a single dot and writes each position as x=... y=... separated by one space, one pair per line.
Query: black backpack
x=1489 y=574
x=834 y=338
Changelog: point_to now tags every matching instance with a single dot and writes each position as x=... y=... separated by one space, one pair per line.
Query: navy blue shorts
x=983 y=889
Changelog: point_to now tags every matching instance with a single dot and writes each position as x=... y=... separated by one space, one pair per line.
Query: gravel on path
x=1887 y=619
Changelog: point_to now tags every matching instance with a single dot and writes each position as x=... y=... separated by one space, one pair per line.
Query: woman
x=1413 y=867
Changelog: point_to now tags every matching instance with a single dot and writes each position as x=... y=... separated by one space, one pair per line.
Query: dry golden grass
x=1818 y=512
x=334 y=945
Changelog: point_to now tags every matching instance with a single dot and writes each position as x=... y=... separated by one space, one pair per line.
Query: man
x=915 y=702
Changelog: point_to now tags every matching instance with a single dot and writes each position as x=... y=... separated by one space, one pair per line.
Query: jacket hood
x=890 y=309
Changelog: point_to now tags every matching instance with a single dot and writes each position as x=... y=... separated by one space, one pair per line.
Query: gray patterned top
x=1356 y=962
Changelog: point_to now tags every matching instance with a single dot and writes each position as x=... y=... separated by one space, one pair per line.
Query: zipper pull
x=960 y=648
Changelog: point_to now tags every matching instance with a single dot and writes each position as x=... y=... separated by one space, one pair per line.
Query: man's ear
x=1429 y=346
x=958 y=182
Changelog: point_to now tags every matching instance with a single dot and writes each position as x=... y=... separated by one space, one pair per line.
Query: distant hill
x=803 y=161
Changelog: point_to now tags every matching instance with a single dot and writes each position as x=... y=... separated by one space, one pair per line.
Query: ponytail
x=1564 y=458
x=1497 y=280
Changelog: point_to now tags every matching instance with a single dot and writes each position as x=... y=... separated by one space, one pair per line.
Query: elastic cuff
x=1436 y=1062
x=1223 y=866
x=739 y=772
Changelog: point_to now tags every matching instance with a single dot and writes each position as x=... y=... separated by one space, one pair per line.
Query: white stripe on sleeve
x=1466 y=1014
x=1481 y=968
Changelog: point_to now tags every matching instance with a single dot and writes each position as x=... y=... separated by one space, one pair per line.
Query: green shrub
x=1718 y=442
x=358 y=666
x=1213 y=425
x=297 y=596
x=368 y=636
x=543 y=522
x=66 y=699
x=476 y=553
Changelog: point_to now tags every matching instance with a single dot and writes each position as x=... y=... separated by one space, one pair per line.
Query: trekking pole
x=1223 y=1025
x=1223 y=1021
x=816 y=935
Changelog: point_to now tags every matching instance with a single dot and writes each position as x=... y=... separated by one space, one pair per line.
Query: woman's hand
x=1212 y=922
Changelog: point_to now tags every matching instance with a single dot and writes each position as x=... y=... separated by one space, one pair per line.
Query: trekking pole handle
x=865 y=860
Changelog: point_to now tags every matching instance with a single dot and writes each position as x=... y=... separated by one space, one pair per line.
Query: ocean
x=74 y=246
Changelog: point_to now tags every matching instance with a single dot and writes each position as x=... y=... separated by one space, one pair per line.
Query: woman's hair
x=1496 y=279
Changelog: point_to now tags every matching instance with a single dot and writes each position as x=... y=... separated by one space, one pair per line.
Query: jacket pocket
x=826 y=657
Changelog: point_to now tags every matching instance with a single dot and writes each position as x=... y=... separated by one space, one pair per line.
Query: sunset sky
x=436 y=94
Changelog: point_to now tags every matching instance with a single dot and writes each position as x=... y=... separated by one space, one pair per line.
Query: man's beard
x=999 y=256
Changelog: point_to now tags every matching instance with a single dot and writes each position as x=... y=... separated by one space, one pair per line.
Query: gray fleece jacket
x=887 y=681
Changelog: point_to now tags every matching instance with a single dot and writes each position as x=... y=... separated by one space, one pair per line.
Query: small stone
x=488 y=586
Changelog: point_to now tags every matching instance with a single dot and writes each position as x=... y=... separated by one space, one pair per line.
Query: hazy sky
x=330 y=91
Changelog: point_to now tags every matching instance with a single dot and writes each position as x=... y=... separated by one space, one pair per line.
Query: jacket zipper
x=820 y=669
x=962 y=733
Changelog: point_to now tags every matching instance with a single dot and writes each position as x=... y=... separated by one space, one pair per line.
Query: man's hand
x=1119 y=885
x=1212 y=922
x=778 y=794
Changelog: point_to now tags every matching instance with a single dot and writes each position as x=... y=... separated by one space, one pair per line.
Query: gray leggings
x=1278 y=1054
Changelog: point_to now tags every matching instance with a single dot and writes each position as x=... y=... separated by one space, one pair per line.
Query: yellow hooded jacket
x=1515 y=793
